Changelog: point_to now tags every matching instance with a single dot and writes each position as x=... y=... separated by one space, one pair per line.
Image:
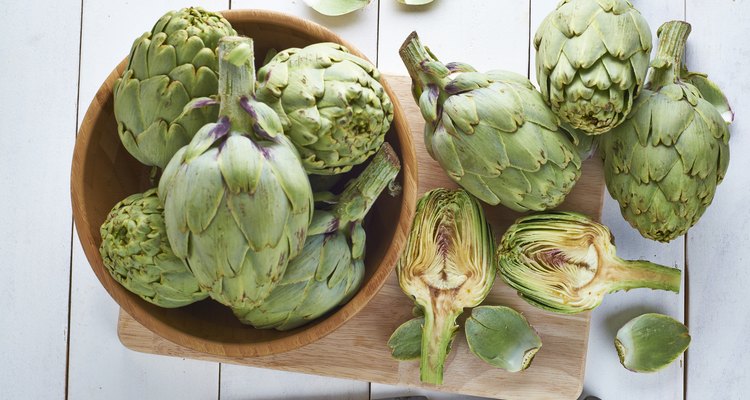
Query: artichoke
x=331 y=105
x=591 y=61
x=664 y=162
x=650 y=342
x=136 y=252
x=167 y=68
x=502 y=337
x=564 y=262
x=331 y=266
x=447 y=265
x=237 y=202
x=492 y=133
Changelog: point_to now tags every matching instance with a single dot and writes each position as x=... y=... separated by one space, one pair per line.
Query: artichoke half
x=492 y=133
x=330 y=268
x=237 y=201
x=167 y=68
x=664 y=162
x=591 y=61
x=565 y=262
x=331 y=104
x=136 y=252
x=447 y=265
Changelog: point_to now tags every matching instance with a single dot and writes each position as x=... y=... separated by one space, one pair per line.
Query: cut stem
x=423 y=67
x=437 y=335
x=236 y=79
x=626 y=275
x=667 y=64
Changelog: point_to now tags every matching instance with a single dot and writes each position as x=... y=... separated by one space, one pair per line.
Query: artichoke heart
x=331 y=266
x=167 y=68
x=663 y=164
x=237 y=201
x=492 y=133
x=447 y=265
x=591 y=61
x=331 y=104
x=650 y=342
x=136 y=252
x=565 y=262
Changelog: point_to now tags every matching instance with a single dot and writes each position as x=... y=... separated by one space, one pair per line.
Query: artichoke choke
x=237 y=201
x=664 y=162
x=136 y=252
x=502 y=337
x=565 y=262
x=167 y=68
x=650 y=342
x=492 y=132
x=447 y=265
x=331 y=266
x=331 y=104
x=591 y=61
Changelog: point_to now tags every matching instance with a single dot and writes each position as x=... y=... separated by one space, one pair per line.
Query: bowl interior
x=104 y=173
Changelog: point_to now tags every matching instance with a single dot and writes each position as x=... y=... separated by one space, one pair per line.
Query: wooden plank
x=99 y=366
x=36 y=218
x=605 y=377
x=717 y=246
x=357 y=349
x=487 y=34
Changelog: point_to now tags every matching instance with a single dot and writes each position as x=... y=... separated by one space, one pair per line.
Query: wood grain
x=357 y=350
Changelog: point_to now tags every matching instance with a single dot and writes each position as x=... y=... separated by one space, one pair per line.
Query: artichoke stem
x=236 y=79
x=361 y=193
x=416 y=59
x=667 y=63
x=437 y=335
x=628 y=275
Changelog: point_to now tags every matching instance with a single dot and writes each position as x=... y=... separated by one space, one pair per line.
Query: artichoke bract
x=565 y=262
x=237 y=202
x=136 y=252
x=502 y=337
x=664 y=162
x=167 y=68
x=650 y=342
x=331 y=104
x=447 y=265
x=591 y=61
x=492 y=133
x=406 y=341
x=330 y=268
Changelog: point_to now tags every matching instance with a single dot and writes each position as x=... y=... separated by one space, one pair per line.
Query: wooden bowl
x=103 y=173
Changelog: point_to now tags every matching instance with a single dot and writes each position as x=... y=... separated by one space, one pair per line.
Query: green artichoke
x=565 y=262
x=492 y=133
x=664 y=162
x=331 y=105
x=237 y=201
x=447 y=265
x=136 y=252
x=650 y=342
x=502 y=337
x=331 y=266
x=167 y=68
x=591 y=61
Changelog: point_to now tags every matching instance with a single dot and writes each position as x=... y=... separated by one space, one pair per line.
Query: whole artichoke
x=664 y=162
x=591 y=61
x=136 y=252
x=237 y=201
x=492 y=133
x=331 y=266
x=566 y=263
x=167 y=68
x=331 y=105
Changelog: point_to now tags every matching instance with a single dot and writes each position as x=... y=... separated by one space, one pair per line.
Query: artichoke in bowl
x=492 y=132
x=591 y=61
x=331 y=104
x=331 y=266
x=237 y=201
x=167 y=68
x=663 y=164
x=136 y=252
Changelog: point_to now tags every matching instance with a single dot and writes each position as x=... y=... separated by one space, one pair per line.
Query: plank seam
x=686 y=316
x=528 y=53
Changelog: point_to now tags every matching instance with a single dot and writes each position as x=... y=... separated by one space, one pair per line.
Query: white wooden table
x=58 y=324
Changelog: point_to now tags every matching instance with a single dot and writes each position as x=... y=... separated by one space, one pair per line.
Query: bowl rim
x=133 y=305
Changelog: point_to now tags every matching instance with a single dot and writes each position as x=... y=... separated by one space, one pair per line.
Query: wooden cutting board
x=358 y=349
